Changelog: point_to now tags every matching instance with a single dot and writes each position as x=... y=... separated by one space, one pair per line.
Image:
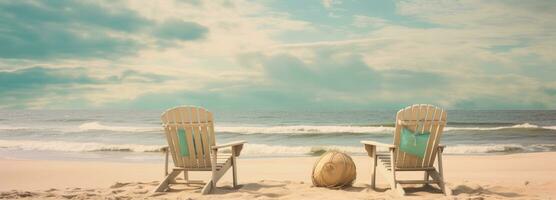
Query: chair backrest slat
x=205 y=138
x=188 y=130
x=198 y=142
x=419 y=118
x=430 y=124
x=211 y=137
x=171 y=137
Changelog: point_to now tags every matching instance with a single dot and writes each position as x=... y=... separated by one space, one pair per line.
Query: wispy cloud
x=180 y=30
x=366 y=21
x=277 y=55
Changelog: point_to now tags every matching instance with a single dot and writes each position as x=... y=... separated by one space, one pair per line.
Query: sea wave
x=84 y=127
x=499 y=148
x=306 y=129
x=12 y=128
x=259 y=150
x=301 y=129
x=279 y=150
x=252 y=129
x=101 y=127
x=517 y=126
x=75 y=146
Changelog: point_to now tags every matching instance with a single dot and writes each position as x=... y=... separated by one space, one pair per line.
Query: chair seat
x=221 y=161
x=384 y=158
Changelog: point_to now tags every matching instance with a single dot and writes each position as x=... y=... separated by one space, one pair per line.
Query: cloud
x=53 y=86
x=286 y=82
x=37 y=29
x=505 y=14
x=362 y=21
x=73 y=13
x=41 y=77
x=342 y=75
x=276 y=55
x=83 y=29
x=451 y=68
x=333 y=81
x=180 y=30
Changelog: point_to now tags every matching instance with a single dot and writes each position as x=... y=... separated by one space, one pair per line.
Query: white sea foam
x=74 y=146
x=517 y=126
x=11 y=128
x=281 y=150
x=498 y=148
x=301 y=129
x=98 y=126
x=305 y=129
x=88 y=126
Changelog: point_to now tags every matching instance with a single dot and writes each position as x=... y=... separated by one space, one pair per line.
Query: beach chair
x=190 y=134
x=422 y=121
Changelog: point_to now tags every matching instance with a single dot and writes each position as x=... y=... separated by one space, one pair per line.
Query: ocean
x=136 y=136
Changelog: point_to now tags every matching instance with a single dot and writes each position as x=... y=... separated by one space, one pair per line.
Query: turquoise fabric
x=184 y=147
x=414 y=143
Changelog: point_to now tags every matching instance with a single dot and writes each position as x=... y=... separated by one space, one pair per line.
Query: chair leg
x=426 y=178
x=395 y=185
x=162 y=186
x=234 y=171
x=207 y=188
x=186 y=176
x=441 y=183
x=393 y=170
x=212 y=183
x=166 y=163
x=438 y=176
x=390 y=176
x=373 y=175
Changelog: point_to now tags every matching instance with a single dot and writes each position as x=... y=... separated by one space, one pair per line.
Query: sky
x=277 y=54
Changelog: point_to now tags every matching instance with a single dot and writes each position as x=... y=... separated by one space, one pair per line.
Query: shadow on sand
x=478 y=190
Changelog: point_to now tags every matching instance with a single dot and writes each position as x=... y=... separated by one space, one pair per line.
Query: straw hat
x=334 y=170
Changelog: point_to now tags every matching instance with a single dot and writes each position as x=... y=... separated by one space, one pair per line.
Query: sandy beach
x=520 y=176
x=98 y=96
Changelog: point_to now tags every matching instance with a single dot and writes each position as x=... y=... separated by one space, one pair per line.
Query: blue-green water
x=137 y=135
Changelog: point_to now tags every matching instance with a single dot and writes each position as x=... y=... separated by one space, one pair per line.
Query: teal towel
x=184 y=147
x=414 y=143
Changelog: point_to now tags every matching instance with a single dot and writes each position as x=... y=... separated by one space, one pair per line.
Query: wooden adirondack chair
x=417 y=118
x=191 y=142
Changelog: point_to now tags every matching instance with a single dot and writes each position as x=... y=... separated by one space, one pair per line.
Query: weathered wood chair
x=416 y=118
x=191 y=142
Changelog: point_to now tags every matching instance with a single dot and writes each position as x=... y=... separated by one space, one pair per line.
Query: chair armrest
x=229 y=144
x=373 y=143
x=370 y=147
x=237 y=146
